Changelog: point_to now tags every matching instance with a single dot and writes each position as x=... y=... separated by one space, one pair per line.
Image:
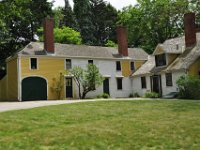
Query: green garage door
x=34 y=88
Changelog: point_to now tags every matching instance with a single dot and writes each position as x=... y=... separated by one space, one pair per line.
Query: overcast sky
x=119 y=4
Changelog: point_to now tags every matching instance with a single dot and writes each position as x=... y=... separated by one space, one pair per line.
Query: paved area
x=7 y=106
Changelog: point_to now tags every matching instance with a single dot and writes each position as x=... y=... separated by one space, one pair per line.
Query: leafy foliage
x=110 y=44
x=189 y=87
x=64 y=35
x=151 y=95
x=58 y=84
x=152 y=22
x=86 y=80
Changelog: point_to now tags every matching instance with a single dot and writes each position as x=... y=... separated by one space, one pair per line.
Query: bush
x=189 y=87
x=104 y=95
x=136 y=95
x=151 y=95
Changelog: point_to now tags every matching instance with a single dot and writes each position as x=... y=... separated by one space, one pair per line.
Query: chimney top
x=190 y=29
x=49 y=35
x=122 y=40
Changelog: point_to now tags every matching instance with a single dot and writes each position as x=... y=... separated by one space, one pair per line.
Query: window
x=132 y=66
x=119 y=83
x=160 y=60
x=90 y=61
x=143 y=82
x=68 y=64
x=33 y=63
x=168 y=79
x=118 y=66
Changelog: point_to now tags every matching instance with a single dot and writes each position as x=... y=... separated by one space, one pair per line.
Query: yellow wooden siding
x=48 y=68
x=12 y=80
x=126 y=66
x=126 y=70
x=138 y=64
x=3 y=88
x=158 y=51
x=194 y=69
x=171 y=58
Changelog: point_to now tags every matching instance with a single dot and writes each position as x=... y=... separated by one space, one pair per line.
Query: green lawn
x=104 y=125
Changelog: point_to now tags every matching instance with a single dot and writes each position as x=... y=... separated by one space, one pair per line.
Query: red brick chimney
x=122 y=40
x=49 y=35
x=190 y=29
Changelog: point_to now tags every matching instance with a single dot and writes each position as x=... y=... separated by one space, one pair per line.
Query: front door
x=106 y=86
x=156 y=84
x=69 y=88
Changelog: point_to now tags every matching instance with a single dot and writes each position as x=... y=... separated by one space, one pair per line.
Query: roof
x=185 y=60
x=146 y=67
x=175 y=45
x=68 y=50
x=182 y=62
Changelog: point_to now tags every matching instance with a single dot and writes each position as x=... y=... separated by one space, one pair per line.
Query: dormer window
x=160 y=60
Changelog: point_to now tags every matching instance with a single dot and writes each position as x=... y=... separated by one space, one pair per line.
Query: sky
x=118 y=4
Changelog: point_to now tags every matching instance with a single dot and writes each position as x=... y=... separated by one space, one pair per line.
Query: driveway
x=7 y=106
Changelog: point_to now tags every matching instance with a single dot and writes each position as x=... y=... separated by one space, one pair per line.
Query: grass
x=104 y=125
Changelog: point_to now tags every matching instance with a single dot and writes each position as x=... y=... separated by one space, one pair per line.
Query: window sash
x=119 y=84
x=68 y=64
x=160 y=60
x=143 y=83
x=33 y=63
x=118 y=66
x=169 y=81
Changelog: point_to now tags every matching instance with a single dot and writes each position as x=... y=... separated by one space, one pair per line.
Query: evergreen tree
x=83 y=13
x=104 y=19
x=69 y=18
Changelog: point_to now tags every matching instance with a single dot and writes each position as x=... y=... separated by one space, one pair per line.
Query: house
x=170 y=60
x=30 y=71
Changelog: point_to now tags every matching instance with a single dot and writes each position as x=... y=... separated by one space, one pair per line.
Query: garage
x=34 y=88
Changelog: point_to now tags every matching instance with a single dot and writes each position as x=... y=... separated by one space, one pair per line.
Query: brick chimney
x=49 y=35
x=190 y=29
x=122 y=40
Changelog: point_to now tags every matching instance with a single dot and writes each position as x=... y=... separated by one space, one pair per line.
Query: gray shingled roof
x=68 y=50
x=183 y=61
x=186 y=59
x=175 y=45
x=146 y=67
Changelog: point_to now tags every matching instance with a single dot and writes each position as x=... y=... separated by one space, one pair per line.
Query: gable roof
x=146 y=67
x=182 y=62
x=68 y=50
x=174 y=46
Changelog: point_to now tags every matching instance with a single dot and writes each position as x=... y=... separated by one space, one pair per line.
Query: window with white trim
x=119 y=84
x=68 y=64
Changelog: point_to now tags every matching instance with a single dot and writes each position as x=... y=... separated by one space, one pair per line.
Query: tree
x=150 y=23
x=58 y=17
x=83 y=13
x=19 y=21
x=86 y=80
x=57 y=85
x=64 y=35
x=69 y=17
x=104 y=18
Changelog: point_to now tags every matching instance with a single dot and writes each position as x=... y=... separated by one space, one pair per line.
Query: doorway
x=156 y=84
x=106 y=86
x=69 y=87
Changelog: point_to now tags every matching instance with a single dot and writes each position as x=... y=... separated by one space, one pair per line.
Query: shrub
x=189 y=87
x=104 y=95
x=151 y=95
x=131 y=95
x=136 y=95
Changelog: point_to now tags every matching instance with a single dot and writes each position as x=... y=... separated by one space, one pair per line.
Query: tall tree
x=104 y=18
x=69 y=18
x=20 y=18
x=152 y=22
x=83 y=13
